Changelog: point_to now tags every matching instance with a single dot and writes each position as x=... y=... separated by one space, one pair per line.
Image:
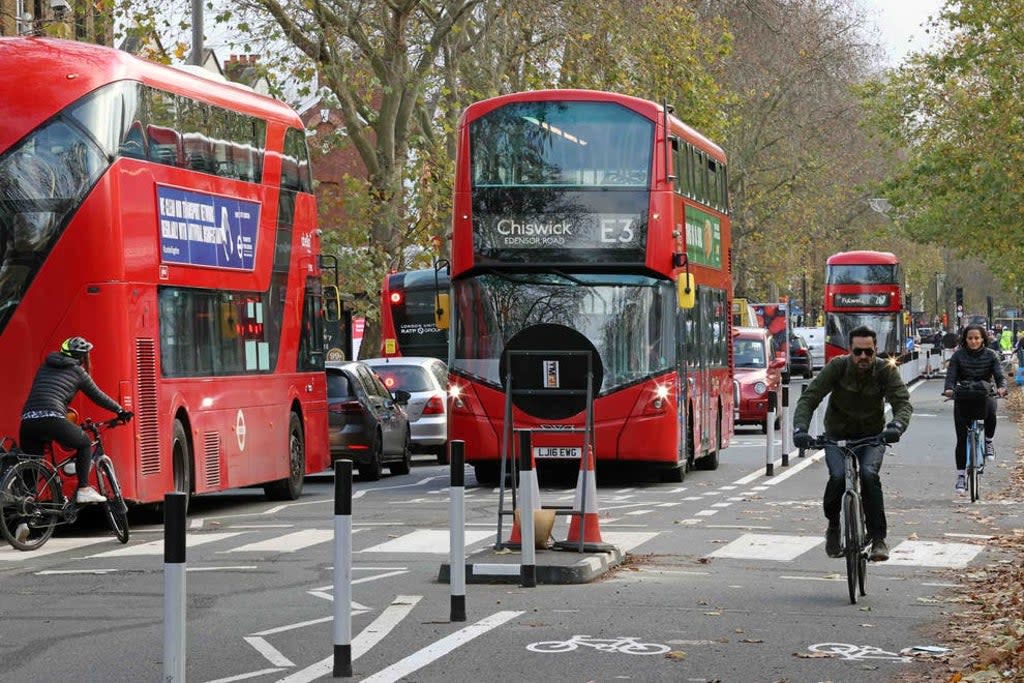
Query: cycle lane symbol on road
x=852 y=652
x=629 y=645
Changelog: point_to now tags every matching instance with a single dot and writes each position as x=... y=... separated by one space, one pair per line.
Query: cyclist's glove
x=893 y=432
x=125 y=415
x=801 y=439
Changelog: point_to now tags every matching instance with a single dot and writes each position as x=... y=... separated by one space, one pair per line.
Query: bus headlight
x=760 y=388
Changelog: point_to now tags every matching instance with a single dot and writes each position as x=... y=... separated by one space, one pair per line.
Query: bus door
x=705 y=320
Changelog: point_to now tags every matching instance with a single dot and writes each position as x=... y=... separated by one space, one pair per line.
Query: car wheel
x=373 y=468
x=808 y=374
x=404 y=465
x=442 y=455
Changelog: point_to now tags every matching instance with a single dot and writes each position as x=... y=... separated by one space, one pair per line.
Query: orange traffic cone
x=515 y=539
x=585 y=527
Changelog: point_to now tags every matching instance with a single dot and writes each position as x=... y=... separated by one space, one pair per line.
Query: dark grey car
x=800 y=359
x=366 y=422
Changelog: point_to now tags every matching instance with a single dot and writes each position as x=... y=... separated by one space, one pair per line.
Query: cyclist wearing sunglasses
x=860 y=384
x=973 y=361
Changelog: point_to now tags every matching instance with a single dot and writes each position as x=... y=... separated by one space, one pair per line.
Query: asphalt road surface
x=726 y=579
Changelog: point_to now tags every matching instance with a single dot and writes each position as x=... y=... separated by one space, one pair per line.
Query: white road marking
x=288 y=543
x=640 y=512
x=221 y=569
x=983 y=537
x=362 y=643
x=740 y=526
x=627 y=540
x=720 y=505
x=157 y=547
x=933 y=554
x=668 y=505
x=706 y=513
x=814 y=578
x=58 y=572
x=433 y=541
x=269 y=652
x=779 y=548
x=431 y=653
x=54 y=545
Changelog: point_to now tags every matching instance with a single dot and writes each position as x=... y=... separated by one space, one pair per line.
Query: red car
x=757 y=368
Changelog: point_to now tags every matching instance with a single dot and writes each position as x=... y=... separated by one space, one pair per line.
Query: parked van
x=815 y=337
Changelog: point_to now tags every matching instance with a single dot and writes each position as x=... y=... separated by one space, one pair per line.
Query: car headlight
x=760 y=388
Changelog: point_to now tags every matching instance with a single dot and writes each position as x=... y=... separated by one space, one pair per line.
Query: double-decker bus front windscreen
x=561 y=181
x=886 y=326
x=630 y=319
x=863 y=274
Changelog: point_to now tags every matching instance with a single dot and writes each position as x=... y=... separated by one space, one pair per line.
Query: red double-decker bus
x=408 y=306
x=577 y=217
x=168 y=218
x=864 y=288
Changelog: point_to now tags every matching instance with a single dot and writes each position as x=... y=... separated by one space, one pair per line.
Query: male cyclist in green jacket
x=860 y=384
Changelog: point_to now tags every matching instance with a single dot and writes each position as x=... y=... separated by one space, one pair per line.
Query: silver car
x=426 y=380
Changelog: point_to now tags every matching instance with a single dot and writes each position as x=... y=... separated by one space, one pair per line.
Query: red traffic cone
x=585 y=526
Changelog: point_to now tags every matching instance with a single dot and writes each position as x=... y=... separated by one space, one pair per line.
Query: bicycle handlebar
x=101 y=426
x=874 y=440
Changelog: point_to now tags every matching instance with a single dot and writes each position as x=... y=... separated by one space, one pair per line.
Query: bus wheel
x=181 y=461
x=290 y=488
x=486 y=473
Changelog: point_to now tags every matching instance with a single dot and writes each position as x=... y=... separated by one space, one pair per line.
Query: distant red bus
x=168 y=218
x=577 y=214
x=407 y=314
x=864 y=288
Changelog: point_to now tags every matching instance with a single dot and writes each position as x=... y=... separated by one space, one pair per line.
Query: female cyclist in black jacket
x=973 y=361
x=44 y=417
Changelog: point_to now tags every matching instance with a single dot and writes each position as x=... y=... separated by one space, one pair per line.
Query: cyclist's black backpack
x=971 y=397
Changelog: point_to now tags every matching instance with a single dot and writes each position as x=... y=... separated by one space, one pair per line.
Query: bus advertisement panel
x=408 y=304
x=169 y=219
x=864 y=288
x=577 y=214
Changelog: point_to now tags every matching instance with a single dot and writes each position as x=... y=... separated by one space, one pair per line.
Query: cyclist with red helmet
x=44 y=418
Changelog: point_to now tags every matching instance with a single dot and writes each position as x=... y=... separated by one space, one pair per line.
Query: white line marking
x=720 y=505
x=984 y=537
x=54 y=545
x=640 y=512
x=261 y=526
x=933 y=554
x=269 y=652
x=362 y=643
x=242 y=677
x=627 y=540
x=58 y=572
x=706 y=513
x=221 y=569
x=302 y=624
x=813 y=578
x=740 y=526
x=196 y=523
x=157 y=547
x=431 y=653
x=668 y=505
x=288 y=543
x=767 y=547
x=434 y=541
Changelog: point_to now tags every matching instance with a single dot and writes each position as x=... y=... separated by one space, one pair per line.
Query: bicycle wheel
x=31 y=500
x=977 y=463
x=117 y=511
x=851 y=513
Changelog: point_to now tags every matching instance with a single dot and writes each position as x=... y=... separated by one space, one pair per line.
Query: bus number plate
x=557 y=452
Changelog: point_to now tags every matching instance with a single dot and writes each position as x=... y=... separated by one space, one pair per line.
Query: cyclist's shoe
x=832 y=546
x=21 y=533
x=990 y=451
x=961 y=484
x=879 y=551
x=89 y=495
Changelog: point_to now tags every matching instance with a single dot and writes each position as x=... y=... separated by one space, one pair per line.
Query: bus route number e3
x=557 y=452
x=616 y=230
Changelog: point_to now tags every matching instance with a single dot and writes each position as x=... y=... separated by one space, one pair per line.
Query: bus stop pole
x=342 y=569
x=769 y=437
x=786 y=426
x=174 y=587
x=457 y=531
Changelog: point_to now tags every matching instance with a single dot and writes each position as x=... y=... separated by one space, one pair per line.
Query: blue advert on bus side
x=199 y=229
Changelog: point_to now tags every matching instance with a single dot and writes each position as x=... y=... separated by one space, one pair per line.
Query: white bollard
x=342 y=569
x=174 y=587
x=457 y=532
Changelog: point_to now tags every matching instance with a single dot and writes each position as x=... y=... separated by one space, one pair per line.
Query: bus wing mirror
x=332 y=303
x=441 y=311
x=686 y=290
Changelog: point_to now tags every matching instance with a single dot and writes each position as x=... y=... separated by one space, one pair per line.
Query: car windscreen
x=749 y=353
x=404 y=377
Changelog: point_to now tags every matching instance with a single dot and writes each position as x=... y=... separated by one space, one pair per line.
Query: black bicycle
x=852 y=526
x=32 y=500
x=971 y=397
